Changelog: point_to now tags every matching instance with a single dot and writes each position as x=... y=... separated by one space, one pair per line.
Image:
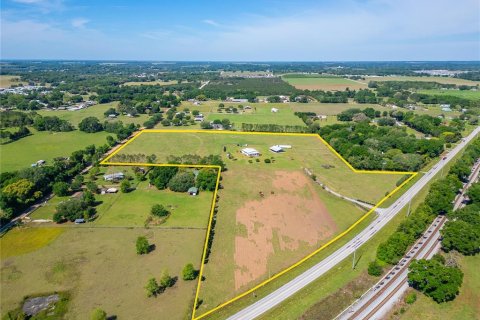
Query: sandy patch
x=291 y=216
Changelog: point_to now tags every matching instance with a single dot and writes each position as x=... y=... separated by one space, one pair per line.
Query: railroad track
x=427 y=241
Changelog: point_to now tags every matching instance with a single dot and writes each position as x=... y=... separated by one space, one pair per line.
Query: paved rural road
x=381 y=298
x=301 y=281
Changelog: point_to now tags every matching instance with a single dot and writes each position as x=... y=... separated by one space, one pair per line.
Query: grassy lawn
x=24 y=240
x=465 y=306
x=94 y=111
x=444 y=80
x=133 y=208
x=242 y=182
x=46 y=146
x=7 y=81
x=261 y=114
x=466 y=94
x=326 y=83
x=331 y=109
x=100 y=267
x=306 y=152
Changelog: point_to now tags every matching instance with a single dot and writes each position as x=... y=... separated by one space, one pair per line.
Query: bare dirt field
x=293 y=214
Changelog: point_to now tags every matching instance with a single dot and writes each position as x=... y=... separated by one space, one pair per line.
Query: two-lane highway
x=307 y=277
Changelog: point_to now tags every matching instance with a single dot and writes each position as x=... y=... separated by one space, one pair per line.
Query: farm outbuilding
x=193 y=191
x=250 y=152
x=114 y=176
x=276 y=149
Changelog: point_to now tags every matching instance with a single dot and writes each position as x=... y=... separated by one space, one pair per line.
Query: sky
x=241 y=30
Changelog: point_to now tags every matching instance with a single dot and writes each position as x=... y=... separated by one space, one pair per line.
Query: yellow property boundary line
x=207 y=237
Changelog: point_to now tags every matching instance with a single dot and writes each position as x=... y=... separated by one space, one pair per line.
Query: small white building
x=274 y=110
x=285 y=146
x=111 y=190
x=250 y=152
x=322 y=117
x=114 y=176
x=276 y=149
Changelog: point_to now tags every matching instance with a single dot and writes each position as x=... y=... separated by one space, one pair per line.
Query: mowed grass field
x=324 y=83
x=466 y=305
x=444 y=80
x=151 y=83
x=307 y=152
x=260 y=114
x=45 y=146
x=466 y=94
x=133 y=208
x=100 y=267
x=94 y=111
x=241 y=185
x=7 y=81
x=331 y=109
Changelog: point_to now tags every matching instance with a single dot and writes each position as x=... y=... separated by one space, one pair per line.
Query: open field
x=46 y=146
x=466 y=94
x=133 y=208
x=151 y=83
x=101 y=262
x=264 y=242
x=445 y=80
x=324 y=83
x=333 y=108
x=8 y=81
x=307 y=152
x=465 y=306
x=94 y=111
x=260 y=114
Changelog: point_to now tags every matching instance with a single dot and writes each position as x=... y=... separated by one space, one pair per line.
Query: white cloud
x=79 y=22
x=44 y=6
x=211 y=22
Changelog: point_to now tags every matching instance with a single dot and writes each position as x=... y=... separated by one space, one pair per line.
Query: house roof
x=276 y=148
x=192 y=190
x=249 y=151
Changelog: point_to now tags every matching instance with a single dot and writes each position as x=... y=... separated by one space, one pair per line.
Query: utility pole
x=353 y=262
x=409 y=206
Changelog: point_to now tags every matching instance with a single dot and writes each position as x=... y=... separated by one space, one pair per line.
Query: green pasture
x=324 y=83
x=466 y=94
x=45 y=146
x=95 y=263
x=443 y=80
x=97 y=111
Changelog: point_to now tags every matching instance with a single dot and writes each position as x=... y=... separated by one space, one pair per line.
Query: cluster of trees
x=215 y=160
x=435 y=279
x=139 y=99
x=33 y=100
x=462 y=231
x=431 y=125
x=257 y=127
x=52 y=123
x=12 y=118
x=180 y=180
x=379 y=148
x=11 y=136
x=176 y=118
x=137 y=157
x=357 y=115
x=19 y=189
x=389 y=88
x=92 y=124
x=243 y=88
x=76 y=208
x=154 y=288
x=365 y=96
x=332 y=96
x=225 y=123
